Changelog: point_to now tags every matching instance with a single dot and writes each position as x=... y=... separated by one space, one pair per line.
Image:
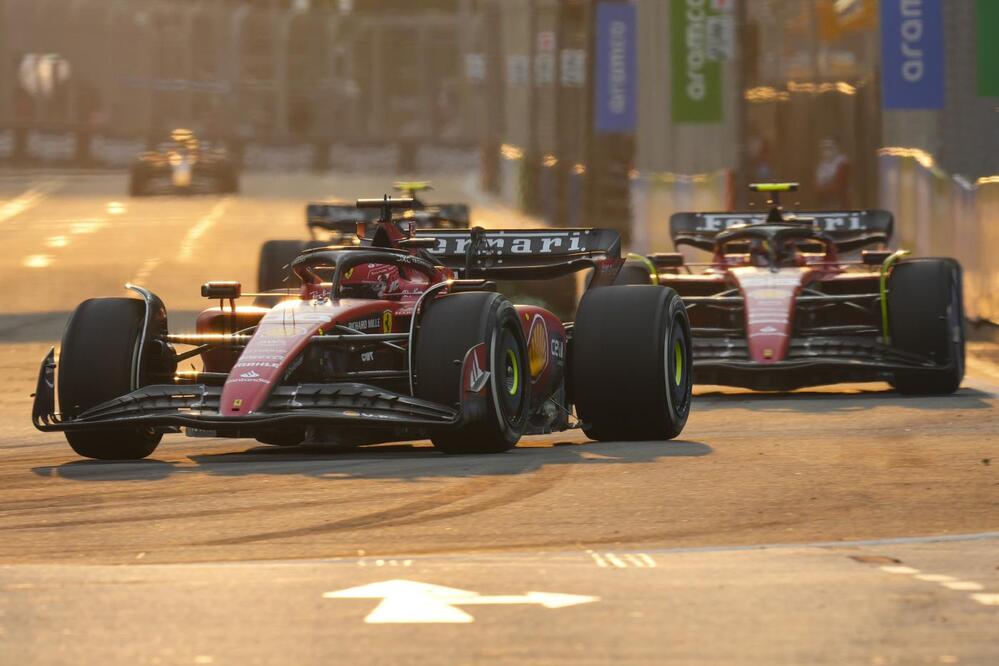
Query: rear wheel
x=273 y=270
x=96 y=364
x=629 y=363
x=926 y=318
x=448 y=329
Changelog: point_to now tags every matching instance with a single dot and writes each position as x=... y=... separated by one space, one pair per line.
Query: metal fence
x=940 y=215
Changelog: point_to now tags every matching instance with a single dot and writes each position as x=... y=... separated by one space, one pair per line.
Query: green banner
x=701 y=36
x=987 y=29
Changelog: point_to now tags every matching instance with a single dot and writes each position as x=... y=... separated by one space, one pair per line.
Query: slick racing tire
x=630 y=363
x=95 y=365
x=275 y=258
x=449 y=327
x=926 y=318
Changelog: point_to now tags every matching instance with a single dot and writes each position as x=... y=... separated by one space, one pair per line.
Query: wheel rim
x=512 y=380
x=509 y=378
x=677 y=362
x=677 y=350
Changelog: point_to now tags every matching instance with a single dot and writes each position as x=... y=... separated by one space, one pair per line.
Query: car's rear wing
x=516 y=254
x=849 y=229
x=338 y=217
x=345 y=217
x=449 y=214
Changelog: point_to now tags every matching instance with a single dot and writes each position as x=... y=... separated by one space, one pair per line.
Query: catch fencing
x=940 y=215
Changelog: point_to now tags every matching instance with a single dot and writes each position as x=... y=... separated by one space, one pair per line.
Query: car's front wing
x=197 y=406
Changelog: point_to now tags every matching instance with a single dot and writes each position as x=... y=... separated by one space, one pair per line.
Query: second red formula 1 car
x=778 y=307
x=399 y=337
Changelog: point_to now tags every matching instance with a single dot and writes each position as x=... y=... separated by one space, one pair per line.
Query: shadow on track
x=824 y=402
x=406 y=462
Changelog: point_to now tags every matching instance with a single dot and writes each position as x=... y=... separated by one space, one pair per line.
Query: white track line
x=29 y=198
x=950 y=582
x=202 y=227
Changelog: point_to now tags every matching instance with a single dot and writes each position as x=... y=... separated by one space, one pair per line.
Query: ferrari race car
x=778 y=307
x=335 y=223
x=183 y=165
x=399 y=337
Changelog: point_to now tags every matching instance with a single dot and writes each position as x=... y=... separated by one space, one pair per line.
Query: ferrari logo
x=237 y=403
x=387 y=321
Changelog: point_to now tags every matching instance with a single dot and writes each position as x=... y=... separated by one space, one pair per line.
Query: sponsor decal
x=250 y=375
x=846 y=221
x=367 y=356
x=537 y=346
x=364 y=324
x=514 y=242
x=256 y=364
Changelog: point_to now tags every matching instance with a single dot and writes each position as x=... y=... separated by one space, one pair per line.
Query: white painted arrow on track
x=409 y=601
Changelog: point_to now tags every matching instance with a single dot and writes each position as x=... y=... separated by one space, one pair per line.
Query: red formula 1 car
x=778 y=307
x=400 y=337
x=335 y=223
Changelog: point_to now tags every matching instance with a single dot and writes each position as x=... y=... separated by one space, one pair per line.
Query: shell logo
x=537 y=347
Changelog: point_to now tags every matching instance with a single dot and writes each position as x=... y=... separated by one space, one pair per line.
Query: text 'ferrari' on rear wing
x=840 y=226
x=517 y=252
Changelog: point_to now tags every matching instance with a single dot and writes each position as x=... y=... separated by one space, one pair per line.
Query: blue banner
x=912 y=54
x=616 y=86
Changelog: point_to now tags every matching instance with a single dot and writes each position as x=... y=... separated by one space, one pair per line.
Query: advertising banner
x=701 y=37
x=616 y=71
x=912 y=54
x=987 y=29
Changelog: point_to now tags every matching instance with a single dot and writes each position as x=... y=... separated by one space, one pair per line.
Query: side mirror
x=221 y=290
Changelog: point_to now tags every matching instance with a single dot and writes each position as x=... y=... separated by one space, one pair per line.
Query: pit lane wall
x=937 y=214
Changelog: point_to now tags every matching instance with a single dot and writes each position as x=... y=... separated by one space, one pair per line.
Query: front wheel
x=450 y=327
x=926 y=318
x=630 y=363
x=97 y=363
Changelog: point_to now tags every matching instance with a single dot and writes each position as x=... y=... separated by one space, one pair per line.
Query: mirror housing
x=221 y=290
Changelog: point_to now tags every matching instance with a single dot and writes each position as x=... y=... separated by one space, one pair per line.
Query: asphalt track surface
x=839 y=525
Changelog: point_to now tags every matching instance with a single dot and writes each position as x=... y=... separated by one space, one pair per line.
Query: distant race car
x=337 y=222
x=778 y=307
x=398 y=337
x=183 y=165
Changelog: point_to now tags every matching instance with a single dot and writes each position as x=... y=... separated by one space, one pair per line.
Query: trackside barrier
x=940 y=215
x=654 y=197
